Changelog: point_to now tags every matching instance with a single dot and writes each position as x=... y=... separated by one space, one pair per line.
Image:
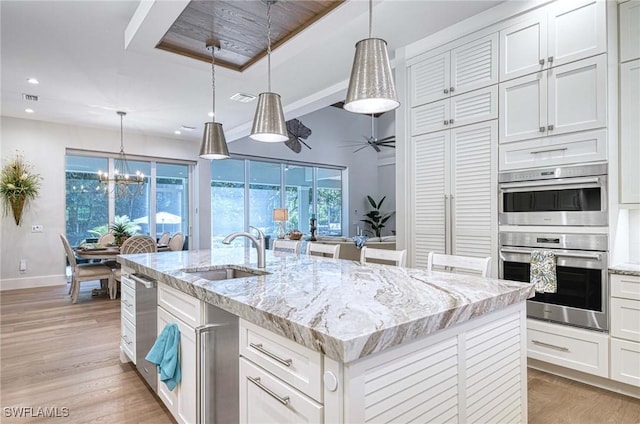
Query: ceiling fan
x=374 y=142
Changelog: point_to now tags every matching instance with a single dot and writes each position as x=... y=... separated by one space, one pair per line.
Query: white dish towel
x=543 y=271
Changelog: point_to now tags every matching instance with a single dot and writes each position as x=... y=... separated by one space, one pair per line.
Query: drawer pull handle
x=126 y=340
x=553 y=149
x=259 y=348
x=560 y=348
x=256 y=381
x=126 y=303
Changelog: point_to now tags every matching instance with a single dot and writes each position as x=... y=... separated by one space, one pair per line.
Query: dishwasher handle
x=147 y=283
x=201 y=390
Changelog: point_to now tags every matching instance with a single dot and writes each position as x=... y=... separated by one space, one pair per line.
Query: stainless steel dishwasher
x=146 y=325
x=217 y=368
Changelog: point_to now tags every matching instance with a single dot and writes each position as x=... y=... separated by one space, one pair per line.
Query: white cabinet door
x=625 y=361
x=181 y=401
x=629 y=30
x=523 y=48
x=473 y=185
x=430 y=117
x=523 y=108
x=577 y=96
x=630 y=132
x=266 y=399
x=430 y=179
x=576 y=29
x=430 y=79
x=625 y=319
x=474 y=106
x=474 y=65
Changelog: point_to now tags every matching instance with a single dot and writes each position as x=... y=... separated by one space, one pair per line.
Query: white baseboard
x=592 y=380
x=32 y=282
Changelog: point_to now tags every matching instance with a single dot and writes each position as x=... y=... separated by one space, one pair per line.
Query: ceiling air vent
x=187 y=128
x=29 y=97
x=242 y=97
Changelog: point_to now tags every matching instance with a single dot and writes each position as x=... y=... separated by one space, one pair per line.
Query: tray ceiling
x=240 y=27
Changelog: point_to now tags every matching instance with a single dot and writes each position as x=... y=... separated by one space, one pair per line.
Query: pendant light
x=371 y=86
x=268 y=123
x=214 y=144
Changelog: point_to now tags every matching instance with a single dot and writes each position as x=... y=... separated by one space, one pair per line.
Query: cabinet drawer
x=625 y=361
x=625 y=319
x=185 y=307
x=625 y=286
x=550 y=151
x=574 y=348
x=128 y=301
x=128 y=339
x=273 y=352
x=266 y=399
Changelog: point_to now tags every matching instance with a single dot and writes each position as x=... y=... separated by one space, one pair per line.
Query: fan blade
x=375 y=146
x=309 y=147
x=391 y=137
x=363 y=147
x=298 y=129
x=293 y=144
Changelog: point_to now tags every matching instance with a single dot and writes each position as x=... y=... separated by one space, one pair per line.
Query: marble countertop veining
x=625 y=269
x=340 y=308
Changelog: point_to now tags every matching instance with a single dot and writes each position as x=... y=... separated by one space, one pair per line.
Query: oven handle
x=556 y=182
x=596 y=256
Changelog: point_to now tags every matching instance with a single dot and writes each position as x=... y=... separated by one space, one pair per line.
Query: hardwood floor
x=55 y=354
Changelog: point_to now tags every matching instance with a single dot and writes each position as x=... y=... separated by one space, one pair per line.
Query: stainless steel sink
x=226 y=273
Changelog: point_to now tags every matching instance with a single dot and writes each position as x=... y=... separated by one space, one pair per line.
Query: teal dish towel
x=543 y=271
x=165 y=353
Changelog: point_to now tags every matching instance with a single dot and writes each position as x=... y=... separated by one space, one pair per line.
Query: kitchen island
x=380 y=343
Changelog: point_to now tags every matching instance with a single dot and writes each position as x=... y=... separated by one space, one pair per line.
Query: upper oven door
x=562 y=201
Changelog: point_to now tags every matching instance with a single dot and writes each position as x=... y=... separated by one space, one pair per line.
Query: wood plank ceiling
x=240 y=27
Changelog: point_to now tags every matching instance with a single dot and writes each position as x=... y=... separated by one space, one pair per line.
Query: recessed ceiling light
x=243 y=97
x=29 y=110
x=33 y=81
x=176 y=132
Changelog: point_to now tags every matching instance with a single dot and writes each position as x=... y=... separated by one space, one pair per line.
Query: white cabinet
x=454 y=191
x=570 y=347
x=629 y=30
x=580 y=147
x=625 y=329
x=127 y=318
x=561 y=33
x=280 y=380
x=474 y=106
x=468 y=67
x=181 y=401
x=557 y=101
x=630 y=131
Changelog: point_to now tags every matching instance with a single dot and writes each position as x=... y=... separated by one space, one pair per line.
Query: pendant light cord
x=121 y=133
x=269 y=45
x=370 y=16
x=213 y=81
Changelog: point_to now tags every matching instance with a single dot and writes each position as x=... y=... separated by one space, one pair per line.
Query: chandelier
x=122 y=183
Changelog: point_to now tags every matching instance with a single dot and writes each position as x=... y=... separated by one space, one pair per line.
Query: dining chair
x=164 y=238
x=132 y=245
x=106 y=239
x=83 y=272
x=323 y=250
x=457 y=262
x=398 y=257
x=176 y=242
x=288 y=246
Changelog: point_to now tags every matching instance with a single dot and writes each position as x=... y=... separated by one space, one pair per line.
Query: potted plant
x=17 y=185
x=122 y=228
x=375 y=218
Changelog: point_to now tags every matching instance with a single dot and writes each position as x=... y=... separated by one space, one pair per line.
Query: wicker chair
x=132 y=245
x=84 y=272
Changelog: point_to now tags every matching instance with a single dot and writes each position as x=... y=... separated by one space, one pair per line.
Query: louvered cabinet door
x=473 y=189
x=475 y=106
x=430 y=117
x=474 y=65
x=430 y=79
x=430 y=181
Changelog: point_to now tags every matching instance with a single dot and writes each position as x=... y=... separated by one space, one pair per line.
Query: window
x=162 y=206
x=244 y=192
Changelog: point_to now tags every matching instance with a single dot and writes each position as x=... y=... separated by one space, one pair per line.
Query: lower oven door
x=582 y=292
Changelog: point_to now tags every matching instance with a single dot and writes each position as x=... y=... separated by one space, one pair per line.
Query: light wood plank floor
x=55 y=354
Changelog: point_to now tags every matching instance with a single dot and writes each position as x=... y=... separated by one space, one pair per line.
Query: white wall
x=387 y=171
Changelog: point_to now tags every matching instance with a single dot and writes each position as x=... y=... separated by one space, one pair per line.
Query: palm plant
x=375 y=218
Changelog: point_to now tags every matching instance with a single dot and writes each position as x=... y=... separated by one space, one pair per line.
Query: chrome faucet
x=259 y=243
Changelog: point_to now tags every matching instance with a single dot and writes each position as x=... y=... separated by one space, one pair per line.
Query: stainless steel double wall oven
x=557 y=197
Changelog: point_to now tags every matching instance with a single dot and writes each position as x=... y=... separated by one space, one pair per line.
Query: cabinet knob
x=550 y=127
x=541 y=61
x=541 y=129
x=550 y=59
x=451 y=121
x=446 y=91
x=330 y=381
x=451 y=89
x=446 y=122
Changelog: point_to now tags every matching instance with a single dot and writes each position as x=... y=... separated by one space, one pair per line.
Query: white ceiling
x=76 y=49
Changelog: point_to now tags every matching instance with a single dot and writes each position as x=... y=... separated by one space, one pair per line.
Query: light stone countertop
x=340 y=308
x=625 y=269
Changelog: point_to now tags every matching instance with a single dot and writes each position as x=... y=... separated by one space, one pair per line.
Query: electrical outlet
x=23 y=265
x=37 y=228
